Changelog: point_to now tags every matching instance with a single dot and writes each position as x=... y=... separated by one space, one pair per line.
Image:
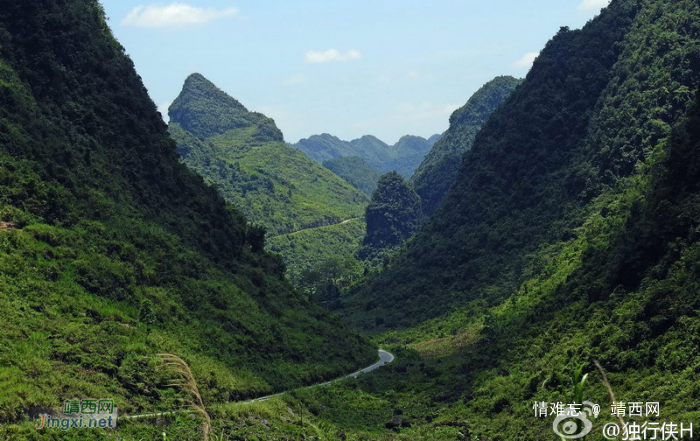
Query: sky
x=345 y=67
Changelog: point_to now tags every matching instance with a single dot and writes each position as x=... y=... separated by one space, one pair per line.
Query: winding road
x=314 y=228
x=384 y=359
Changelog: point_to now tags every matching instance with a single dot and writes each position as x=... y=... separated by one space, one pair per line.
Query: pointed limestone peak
x=205 y=111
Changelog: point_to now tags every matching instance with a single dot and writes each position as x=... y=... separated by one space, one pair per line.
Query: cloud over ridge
x=174 y=15
x=593 y=4
x=525 y=62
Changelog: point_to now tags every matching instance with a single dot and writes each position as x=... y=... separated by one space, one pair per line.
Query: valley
x=215 y=281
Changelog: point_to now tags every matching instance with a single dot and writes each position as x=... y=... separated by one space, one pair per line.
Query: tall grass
x=186 y=382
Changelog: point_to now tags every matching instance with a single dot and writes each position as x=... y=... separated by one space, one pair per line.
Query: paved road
x=384 y=359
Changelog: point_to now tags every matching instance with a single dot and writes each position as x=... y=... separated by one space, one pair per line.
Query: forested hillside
x=438 y=171
x=563 y=239
x=392 y=216
x=243 y=154
x=591 y=111
x=112 y=251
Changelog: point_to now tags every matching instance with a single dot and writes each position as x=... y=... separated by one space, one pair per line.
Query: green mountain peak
x=206 y=111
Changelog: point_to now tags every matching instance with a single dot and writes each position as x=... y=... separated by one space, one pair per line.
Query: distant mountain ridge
x=403 y=157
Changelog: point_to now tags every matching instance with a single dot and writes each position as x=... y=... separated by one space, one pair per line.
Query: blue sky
x=345 y=67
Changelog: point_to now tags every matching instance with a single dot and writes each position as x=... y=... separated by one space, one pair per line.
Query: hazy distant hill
x=402 y=157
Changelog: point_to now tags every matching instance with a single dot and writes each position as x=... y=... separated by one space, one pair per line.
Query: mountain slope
x=563 y=137
x=244 y=155
x=438 y=171
x=324 y=147
x=622 y=293
x=309 y=249
x=356 y=171
x=594 y=204
x=112 y=251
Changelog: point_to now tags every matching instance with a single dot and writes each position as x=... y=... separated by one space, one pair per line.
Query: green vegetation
x=403 y=157
x=300 y=204
x=392 y=216
x=570 y=237
x=326 y=281
x=243 y=155
x=308 y=249
x=438 y=171
x=476 y=372
x=538 y=163
x=112 y=251
x=356 y=171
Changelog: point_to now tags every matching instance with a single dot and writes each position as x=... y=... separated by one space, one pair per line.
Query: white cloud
x=413 y=74
x=384 y=79
x=331 y=55
x=593 y=4
x=163 y=109
x=295 y=79
x=174 y=15
x=525 y=62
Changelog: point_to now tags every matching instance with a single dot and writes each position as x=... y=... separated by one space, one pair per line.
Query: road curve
x=384 y=359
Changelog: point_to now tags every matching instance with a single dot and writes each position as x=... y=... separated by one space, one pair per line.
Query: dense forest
x=112 y=251
x=560 y=141
x=438 y=171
